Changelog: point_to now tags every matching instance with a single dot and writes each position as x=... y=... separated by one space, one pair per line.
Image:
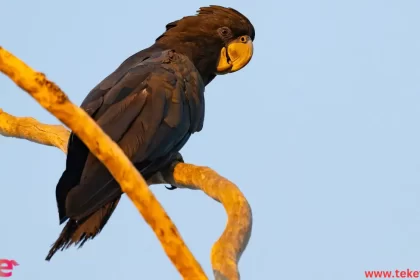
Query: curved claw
x=171 y=188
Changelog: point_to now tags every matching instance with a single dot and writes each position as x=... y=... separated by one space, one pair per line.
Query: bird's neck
x=204 y=58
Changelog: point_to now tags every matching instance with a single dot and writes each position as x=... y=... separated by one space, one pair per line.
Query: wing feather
x=149 y=111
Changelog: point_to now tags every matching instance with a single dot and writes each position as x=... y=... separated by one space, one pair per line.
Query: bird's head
x=218 y=40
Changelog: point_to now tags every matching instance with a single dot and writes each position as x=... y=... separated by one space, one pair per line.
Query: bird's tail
x=79 y=231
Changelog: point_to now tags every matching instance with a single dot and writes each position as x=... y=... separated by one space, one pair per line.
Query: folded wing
x=150 y=112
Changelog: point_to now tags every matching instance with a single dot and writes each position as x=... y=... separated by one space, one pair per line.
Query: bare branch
x=227 y=251
x=109 y=153
x=32 y=130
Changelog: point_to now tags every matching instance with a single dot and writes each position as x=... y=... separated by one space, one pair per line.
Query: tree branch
x=32 y=130
x=226 y=252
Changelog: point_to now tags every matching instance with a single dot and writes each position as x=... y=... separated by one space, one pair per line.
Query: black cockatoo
x=150 y=105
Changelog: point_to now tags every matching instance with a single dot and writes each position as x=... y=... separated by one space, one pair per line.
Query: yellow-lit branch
x=226 y=251
x=32 y=130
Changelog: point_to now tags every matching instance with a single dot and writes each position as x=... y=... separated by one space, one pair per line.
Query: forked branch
x=226 y=252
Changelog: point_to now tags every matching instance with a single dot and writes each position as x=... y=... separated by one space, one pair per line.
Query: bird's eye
x=225 y=32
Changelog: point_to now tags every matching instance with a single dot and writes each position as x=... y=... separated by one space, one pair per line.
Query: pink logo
x=6 y=267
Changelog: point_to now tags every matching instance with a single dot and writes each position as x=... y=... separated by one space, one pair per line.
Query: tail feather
x=77 y=232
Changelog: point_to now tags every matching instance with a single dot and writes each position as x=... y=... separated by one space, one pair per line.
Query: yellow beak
x=237 y=55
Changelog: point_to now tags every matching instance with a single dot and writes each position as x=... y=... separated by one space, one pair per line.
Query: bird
x=150 y=106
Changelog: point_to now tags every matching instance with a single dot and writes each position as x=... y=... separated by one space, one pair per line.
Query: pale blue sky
x=320 y=131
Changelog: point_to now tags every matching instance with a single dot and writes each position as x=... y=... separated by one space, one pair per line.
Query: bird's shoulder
x=172 y=69
x=177 y=76
x=153 y=69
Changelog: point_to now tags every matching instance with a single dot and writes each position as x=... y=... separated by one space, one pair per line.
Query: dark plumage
x=150 y=105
